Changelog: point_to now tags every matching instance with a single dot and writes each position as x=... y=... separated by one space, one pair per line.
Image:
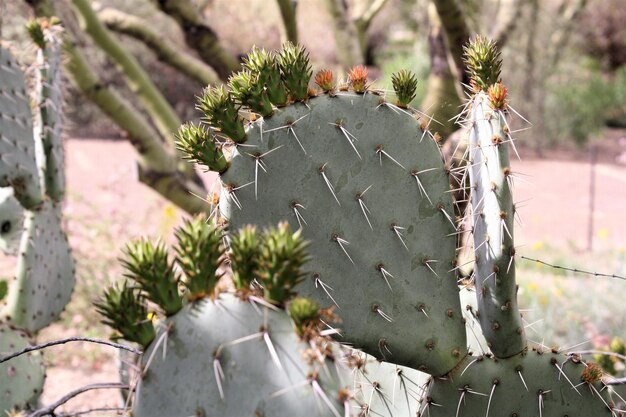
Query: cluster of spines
x=267 y=265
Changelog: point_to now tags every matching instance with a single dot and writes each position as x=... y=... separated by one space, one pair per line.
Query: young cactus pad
x=369 y=190
x=21 y=379
x=17 y=146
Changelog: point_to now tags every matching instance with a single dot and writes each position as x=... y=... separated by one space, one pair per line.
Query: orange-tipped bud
x=324 y=80
x=497 y=96
x=592 y=373
x=357 y=77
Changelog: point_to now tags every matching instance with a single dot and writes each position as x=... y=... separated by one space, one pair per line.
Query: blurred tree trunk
x=457 y=32
x=442 y=100
x=288 y=13
x=350 y=28
x=199 y=36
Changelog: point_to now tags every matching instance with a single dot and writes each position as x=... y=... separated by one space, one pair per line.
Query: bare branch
x=509 y=23
x=67 y=340
x=365 y=19
x=49 y=410
x=164 y=49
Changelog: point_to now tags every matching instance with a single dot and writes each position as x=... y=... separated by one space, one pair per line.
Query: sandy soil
x=553 y=199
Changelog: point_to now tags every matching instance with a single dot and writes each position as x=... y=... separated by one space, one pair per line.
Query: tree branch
x=199 y=36
x=164 y=49
x=365 y=18
x=49 y=410
x=67 y=340
x=288 y=13
x=457 y=31
x=138 y=81
x=561 y=36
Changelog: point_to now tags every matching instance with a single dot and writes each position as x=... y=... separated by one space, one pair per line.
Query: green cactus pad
x=45 y=272
x=383 y=389
x=529 y=384
x=493 y=212
x=11 y=221
x=218 y=363
x=17 y=146
x=21 y=378
x=369 y=190
x=48 y=122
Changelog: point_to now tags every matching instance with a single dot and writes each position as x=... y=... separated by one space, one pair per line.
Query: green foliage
x=249 y=91
x=281 y=258
x=148 y=265
x=405 y=86
x=221 y=112
x=198 y=145
x=293 y=61
x=199 y=255
x=124 y=309
x=578 y=102
x=264 y=65
x=244 y=256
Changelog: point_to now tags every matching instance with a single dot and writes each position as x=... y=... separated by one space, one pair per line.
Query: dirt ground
x=104 y=203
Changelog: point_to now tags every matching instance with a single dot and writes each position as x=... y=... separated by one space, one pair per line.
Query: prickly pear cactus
x=31 y=176
x=365 y=187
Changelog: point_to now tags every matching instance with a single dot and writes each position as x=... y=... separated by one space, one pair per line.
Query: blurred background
x=134 y=67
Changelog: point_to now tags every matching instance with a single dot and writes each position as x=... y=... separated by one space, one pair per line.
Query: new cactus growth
x=363 y=183
x=31 y=174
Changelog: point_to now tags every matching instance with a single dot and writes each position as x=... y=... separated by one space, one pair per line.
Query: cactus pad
x=17 y=146
x=11 y=221
x=45 y=272
x=529 y=384
x=230 y=358
x=369 y=189
x=48 y=123
x=21 y=378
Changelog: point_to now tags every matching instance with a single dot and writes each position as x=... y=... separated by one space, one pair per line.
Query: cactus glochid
x=361 y=180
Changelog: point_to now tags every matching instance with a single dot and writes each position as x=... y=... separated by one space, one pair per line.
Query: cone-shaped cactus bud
x=357 y=78
x=405 y=85
x=305 y=314
x=35 y=31
x=125 y=311
x=293 y=61
x=324 y=80
x=592 y=373
x=198 y=146
x=247 y=89
x=283 y=253
x=199 y=254
x=483 y=61
x=497 y=96
x=263 y=65
x=244 y=255
x=149 y=266
x=219 y=108
x=606 y=362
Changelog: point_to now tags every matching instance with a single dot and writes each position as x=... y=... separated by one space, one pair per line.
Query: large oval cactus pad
x=370 y=190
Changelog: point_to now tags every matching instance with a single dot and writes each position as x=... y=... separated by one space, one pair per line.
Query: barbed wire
x=576 y=270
